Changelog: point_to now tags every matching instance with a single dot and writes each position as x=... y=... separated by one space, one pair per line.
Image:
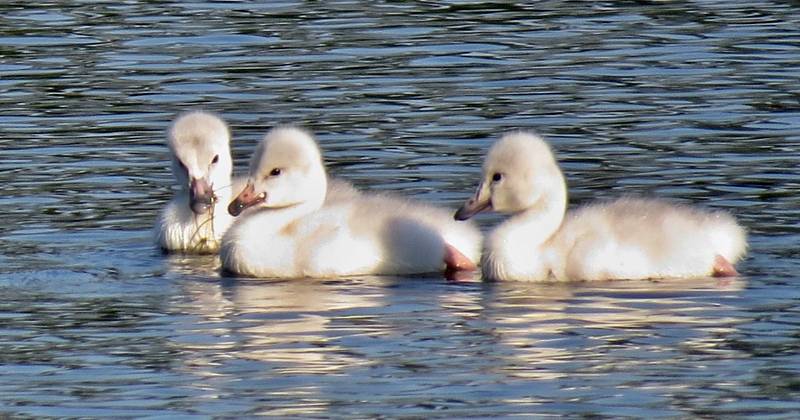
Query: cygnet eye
x=215 y=160
x=497 y=177
x=275 y=172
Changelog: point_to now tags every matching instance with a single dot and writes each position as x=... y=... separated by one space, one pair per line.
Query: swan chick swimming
x=196 y=217
x=627 y=238
x=291 y=230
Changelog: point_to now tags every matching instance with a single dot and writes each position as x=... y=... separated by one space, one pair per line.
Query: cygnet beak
x=201 y=196
x=474 y=205
x=247 y=198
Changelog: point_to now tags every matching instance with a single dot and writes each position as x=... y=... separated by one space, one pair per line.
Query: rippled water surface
x=698 y=102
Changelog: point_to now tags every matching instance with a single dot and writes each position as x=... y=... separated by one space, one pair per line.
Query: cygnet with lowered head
x=627 y=238
x=196 y=217
x=295 y=232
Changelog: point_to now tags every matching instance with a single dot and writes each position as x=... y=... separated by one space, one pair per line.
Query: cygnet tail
x=728 y=238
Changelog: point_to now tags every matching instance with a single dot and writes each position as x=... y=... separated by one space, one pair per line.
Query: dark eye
x=275 y=172
x=215 y=160
x=497 y=177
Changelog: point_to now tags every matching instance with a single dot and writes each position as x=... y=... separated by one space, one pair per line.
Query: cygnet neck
x=520 y=247
x=536 y=224
x=284 y=215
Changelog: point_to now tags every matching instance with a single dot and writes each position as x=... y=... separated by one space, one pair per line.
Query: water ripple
x=698 y=102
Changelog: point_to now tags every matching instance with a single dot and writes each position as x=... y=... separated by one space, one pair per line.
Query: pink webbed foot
x=458 y=266
x=723 y=268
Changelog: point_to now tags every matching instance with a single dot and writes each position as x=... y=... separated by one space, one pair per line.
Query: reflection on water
x=288 y=329
x=692 y=101
x=523 y=345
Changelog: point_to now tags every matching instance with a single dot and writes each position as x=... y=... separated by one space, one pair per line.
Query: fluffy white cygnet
x=196 y=218
x=626 y=238
x=294 y=232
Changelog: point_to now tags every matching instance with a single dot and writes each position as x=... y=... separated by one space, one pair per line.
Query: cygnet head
x=518 y=173
x=286 y=171
x=201 y=159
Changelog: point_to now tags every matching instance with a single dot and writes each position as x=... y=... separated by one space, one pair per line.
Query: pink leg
x=459 y=266
x=723 y=268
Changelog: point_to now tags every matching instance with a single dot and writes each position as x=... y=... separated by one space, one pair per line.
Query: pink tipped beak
x=472 y=207
x=247 y=198
x=201 y=196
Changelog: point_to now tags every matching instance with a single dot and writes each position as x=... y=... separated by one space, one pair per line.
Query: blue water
x=697 y=102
